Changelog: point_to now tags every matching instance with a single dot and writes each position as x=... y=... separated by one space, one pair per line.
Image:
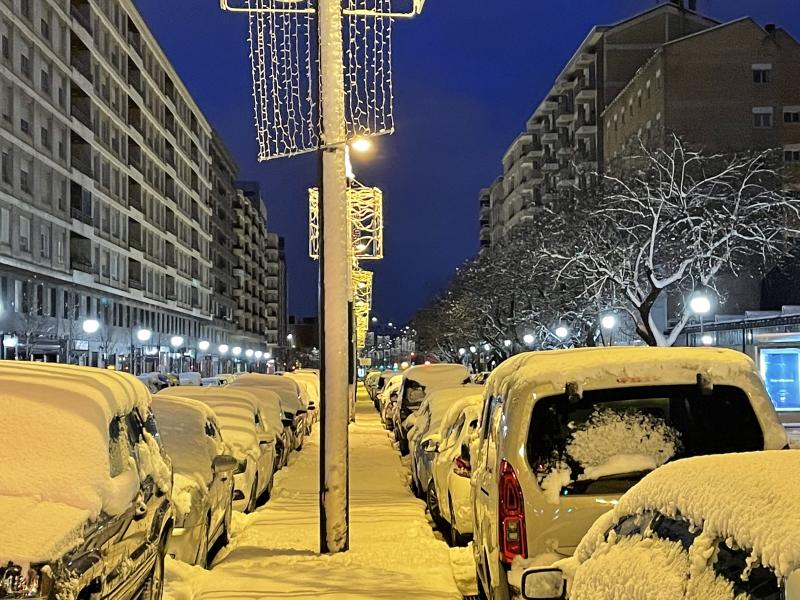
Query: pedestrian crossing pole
x=335 y=293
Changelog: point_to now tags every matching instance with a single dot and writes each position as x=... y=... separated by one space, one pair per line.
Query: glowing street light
x=374 y=319
x=562 y=332
x=473 y=349
x=236 y=350
x=462 y=351
x=707 y=339
x=10 y=341
x=267 y=355
x=361 y=145
x=203 y=345
x=507 y=343
x=223 y=348
x=249 y=353
x=700 y=304
x=144 y=335
x=608 y=322
x=259 y=354
x=91 y=326
x=528 y=339
x=487 y=347
x=176 y=341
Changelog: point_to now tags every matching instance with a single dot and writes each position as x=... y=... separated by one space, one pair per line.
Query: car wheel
x=403 y=446
x=432 y=501
x=251 y=504
x=154 y=586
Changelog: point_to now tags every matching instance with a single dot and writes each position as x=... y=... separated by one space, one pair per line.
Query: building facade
x=560 y=150
x=107 y=192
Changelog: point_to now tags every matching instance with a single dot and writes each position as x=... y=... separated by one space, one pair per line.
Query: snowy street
x=274 y=552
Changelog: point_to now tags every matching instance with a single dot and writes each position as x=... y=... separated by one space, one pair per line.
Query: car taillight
x=513 y=541
x=461 y=467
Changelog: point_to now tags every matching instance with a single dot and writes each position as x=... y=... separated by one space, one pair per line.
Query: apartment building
x=108 y=183
x=730 y=88
x=560 y=150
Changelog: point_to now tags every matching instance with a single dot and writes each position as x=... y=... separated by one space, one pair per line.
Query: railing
x=81 y=216
x=81 y=263
x=80 y=12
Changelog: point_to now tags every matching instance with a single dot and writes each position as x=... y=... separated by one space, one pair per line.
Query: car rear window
x=606 y=440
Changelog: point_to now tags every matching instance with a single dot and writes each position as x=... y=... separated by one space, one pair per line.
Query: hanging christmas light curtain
x=285 y=71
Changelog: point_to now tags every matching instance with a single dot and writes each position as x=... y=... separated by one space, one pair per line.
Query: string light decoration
x=362 y=302
x=366 y=221
x=285 y=67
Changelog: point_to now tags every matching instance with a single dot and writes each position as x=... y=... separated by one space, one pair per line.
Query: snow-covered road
x=274 y=552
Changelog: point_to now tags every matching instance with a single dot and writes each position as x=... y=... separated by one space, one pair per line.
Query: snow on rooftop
x=752 y=497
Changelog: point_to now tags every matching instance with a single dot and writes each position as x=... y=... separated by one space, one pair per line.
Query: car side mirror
x=430 y=446
x=792 y=586
x=287 y=422
x=311 y=406
x=543 y=584
x=265 y=439
x=224 y=462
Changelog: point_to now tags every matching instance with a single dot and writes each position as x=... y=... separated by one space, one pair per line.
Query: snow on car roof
x=436 y=376
x=545 y=373
x=441 y=400
x=469 y=404
x=752 y=497
x=235 y=416
x=286 y=388
x=261 y=379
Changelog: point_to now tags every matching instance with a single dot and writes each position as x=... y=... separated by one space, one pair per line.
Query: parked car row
x=101 y=480
x=554 y=439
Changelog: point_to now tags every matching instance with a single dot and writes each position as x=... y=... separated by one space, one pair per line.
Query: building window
x=762 y=73
x=25 y=176
x=791 y=154
x=791 y=114
x=762 y=117
x=46 y=137
x=5 y=226
x=60 y=248
x=5 y=46
x=5 y=166
x=44 y=241
x=24 y=234
x=45 y=30
x=25 y=8
x=25 y=65
x=45 y=81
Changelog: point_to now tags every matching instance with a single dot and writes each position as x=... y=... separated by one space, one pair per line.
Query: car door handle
x=484 y=490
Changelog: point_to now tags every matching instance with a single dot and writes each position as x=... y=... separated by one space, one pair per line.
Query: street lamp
x=608 y=322
x=259 y=354
x=176 y=341
x=562 y=332
x=267 y=355
x=144 y=335
x=236 y=350
x=528 y=339
x=361 y=144
x=487 y=347
x=374 y=319
x=462 y=351
x=473 y=349
x=249 y=353
x=700 y=304
x=203 y=345
x=223 y=348
x=707 y=339
x=10 y=341
x=91 y=326
x=507 y=343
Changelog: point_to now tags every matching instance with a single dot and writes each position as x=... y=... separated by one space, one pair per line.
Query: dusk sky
x=467 y=77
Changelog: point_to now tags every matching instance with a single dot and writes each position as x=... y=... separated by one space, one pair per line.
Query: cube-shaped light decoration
x=362 y=303
x=366 y=220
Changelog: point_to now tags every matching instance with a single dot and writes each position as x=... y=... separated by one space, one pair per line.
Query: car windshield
x=606 y=440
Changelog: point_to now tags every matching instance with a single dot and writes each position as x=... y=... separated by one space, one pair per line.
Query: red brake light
x=513 y=541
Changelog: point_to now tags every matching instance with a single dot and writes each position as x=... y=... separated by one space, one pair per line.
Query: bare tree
x=674 y=223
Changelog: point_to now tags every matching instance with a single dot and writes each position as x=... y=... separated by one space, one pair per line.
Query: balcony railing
x=81 y=216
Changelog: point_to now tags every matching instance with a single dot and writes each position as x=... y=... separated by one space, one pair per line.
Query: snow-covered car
x=449 y=494
x=291 y=400
x=310 y=379
x=190 y=378
x=418 y=381
x=564 y=433
x=371 y=385
x=154 y=381
x=84 y=486
x=425 y=435
x=306 y=397
x=723 y=527
x=387 y=397
x=244 y=431
x=202 y=488
x=480 y=378
x=215 y=381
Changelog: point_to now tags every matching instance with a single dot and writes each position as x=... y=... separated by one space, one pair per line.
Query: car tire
x=403 y=446
x=153 y=588
x=432 y=502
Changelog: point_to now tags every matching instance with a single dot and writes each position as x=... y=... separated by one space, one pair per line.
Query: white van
x=564 y=433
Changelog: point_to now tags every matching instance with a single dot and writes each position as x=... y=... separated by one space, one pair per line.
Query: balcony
x=170 y=257
x=80 y=253
x=81 y=158
x=80 y=105
x=134 y=274
x=135 y=79
x=135 y=240
x=134 y=154
x=81 y=11
x=81 y=58
x=135 y=195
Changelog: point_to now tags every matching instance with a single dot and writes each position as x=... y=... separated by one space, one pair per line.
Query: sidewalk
x=274 y=552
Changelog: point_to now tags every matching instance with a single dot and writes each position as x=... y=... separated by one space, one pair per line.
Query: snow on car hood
x=436 y=376
x=36 y=531
x=752 y=497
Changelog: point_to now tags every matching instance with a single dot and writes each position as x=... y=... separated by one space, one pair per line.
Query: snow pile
x=612 y=442
x=462 y=562
x=519 y=565
x=753 y=498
